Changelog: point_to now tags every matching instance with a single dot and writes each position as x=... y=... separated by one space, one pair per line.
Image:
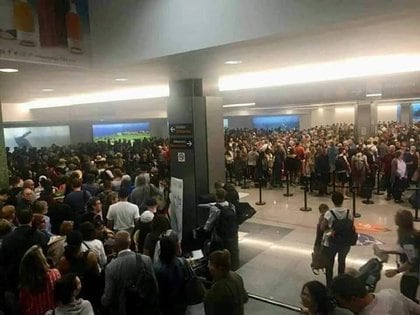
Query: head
x=123 y=194
x=66 y=227
x=168 y=249
x=90 y=178
x=25 y=217
x=76 y=183
x=88 y=231
x=314 y=297
x=337 y=198
x=117 y=172
x=74 y=242
x=160 y=224
x=38 y=221
x=151 y=204
x=323 y=208
x=67 y=288
x=5 y=227
x=218 y=185
x=29 y=183
x=4 y=194
x=122 y=240
x=27 y=194
x=8 y=212
x=94 y=204
x=40 y=206
x=349 y=292
x=32 y=270
x=219 y=263
x=220 y=195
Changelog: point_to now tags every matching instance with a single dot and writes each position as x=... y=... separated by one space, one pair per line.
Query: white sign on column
x=176 y=197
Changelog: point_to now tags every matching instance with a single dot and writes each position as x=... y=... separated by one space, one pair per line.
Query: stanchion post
x=378 y=184
x=287 y=194
x=244 y=186
x=355 y=214
x=260 y=202
x=305 y=197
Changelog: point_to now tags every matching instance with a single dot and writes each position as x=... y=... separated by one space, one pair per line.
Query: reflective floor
x=276 y=244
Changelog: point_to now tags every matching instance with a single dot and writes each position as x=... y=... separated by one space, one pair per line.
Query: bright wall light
x=318 y=72
x=239 y=105
x=102 y=97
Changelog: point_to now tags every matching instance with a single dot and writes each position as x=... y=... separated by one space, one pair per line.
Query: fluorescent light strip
x=318 y=72
x=102 y=97
x=374 y=95
x=8 y=70
x=239 y=105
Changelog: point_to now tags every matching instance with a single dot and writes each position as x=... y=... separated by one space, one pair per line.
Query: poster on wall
x=120 y=132
x=36 y=136
x=45 y=31
x=415 y=108
x=176 y=197
x=286 y=122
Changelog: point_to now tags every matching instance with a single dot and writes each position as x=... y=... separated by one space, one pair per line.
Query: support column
x=405 y=116
x=366 y=119
x=4 y=173
x=196 y=145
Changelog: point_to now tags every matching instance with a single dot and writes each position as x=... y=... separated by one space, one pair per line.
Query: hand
x=390 y=273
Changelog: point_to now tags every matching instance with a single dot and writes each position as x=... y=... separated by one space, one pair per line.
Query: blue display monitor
x=286 y=122
x=415 y=107
x=36 y=136
x=122 y=131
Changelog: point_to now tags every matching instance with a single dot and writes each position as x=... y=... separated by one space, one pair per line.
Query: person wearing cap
x=123 y=215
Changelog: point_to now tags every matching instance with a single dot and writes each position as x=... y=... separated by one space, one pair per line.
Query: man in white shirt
x=123 y=215
x=351 y=294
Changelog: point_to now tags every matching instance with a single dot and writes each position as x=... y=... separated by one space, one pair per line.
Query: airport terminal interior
x=207 y=77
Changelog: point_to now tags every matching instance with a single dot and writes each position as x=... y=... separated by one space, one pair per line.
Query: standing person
x=36 y=282
x=252 y=158
x=78 y=198
x=398 y=176
x=144 y=190
x=223 y=224
x=322 y=170
x=123 y=271
x=342 y=171
x=332 y=152
x=67 y=290
x=227 y=295
x=229 y=163
x=336 y=241
x=386 y=162
x=123 y=215
x=411 y=159
x=409 y=251
x=351 y=294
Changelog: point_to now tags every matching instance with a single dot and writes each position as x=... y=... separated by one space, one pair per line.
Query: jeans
x=331 y=252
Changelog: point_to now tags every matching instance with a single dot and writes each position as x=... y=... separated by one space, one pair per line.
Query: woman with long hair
x=36 y=282
x=409 y=252
x=315 y=299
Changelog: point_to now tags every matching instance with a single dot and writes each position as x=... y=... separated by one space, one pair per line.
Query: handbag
x=244 y=212
x=194 y=290
x=319 y=261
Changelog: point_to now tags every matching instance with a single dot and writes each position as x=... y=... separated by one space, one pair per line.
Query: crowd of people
x=327 y=156
x=86 y=229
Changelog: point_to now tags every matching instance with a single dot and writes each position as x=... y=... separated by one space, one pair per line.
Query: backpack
x=370 y=274
x=340 y=164
x=141 y=293
x=226 y=226
x=343 y=231
x=359 y=163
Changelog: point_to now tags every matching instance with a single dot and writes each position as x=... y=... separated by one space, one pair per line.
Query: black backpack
x=141 y=293
x=343 y=231
x=226 y=226
x=340 y=164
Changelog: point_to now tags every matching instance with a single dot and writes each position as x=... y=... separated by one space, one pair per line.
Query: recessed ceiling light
x=233 y=62
x=239 y=105
x=8 y=70
x=121 y=79
x=374 y=95
x=47 y=90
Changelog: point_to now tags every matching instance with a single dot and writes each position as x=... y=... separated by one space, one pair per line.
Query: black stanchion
x=305 y=196
x=260 y=202
x=378 y=184
x=244 y=186
x=333 y=180
x=287 y=194
x=355 y=214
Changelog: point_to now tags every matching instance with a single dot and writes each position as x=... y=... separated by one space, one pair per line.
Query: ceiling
x=393 y=35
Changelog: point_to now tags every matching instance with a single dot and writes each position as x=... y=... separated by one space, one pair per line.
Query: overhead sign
x=180 y=129
x=183 y=143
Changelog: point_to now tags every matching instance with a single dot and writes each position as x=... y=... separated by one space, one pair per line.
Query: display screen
x=286 y=122
x=415 y=107
x=124 y=131
x=225 y=123
x=36 y=136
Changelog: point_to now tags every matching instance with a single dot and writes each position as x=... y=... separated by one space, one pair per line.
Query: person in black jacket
x=322 y=169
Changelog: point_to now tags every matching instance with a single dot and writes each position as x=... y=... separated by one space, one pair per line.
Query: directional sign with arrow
x=180 y=129
x=181 y=143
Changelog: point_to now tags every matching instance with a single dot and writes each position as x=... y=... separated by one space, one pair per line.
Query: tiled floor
x=276 y=244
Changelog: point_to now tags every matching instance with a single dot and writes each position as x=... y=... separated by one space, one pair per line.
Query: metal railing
x=275 y=303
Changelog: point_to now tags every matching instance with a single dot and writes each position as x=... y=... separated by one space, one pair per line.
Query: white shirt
x=123 y=214
x=391 y=302
x=98 y=248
